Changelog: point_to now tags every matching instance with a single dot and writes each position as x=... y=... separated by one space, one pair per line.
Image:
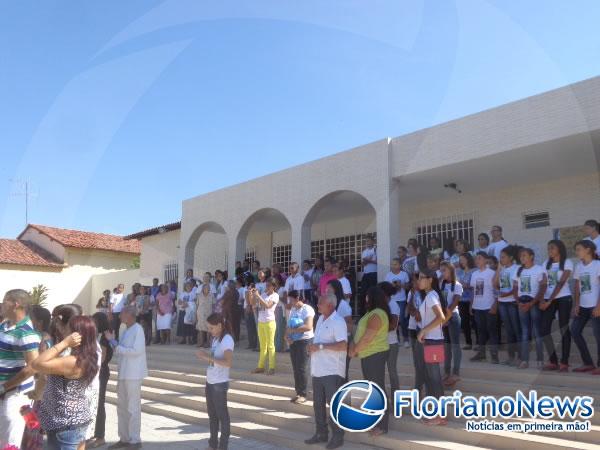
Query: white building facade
x=531 y=166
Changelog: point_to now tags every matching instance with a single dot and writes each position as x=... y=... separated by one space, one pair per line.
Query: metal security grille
x=282 y=255
x=345 y=247
x=171 y=271
x=448 y=228
x=250 y=255
x=536 y=219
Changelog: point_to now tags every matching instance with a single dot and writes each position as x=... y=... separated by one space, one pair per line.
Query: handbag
x=433 y=353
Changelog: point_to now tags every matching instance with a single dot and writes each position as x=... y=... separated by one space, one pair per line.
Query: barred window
x=345 y=247
x=446 y=229
x=171 y=271
x=282 y=255
x=250 y=255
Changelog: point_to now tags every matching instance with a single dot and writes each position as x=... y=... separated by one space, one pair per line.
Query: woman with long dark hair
x=467 y=321
x=217 y=379
x=266 y=304
x=507 y=305
x=452 y=291
x=102 y=325
x=371 y=344
x=557 y=298
x=429 y=333
x=65 y=412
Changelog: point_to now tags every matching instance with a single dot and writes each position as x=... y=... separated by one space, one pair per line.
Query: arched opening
x=206 y=249
x=338 y=225
x=266 y=237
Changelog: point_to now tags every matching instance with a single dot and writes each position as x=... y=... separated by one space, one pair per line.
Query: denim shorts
x=67 y=439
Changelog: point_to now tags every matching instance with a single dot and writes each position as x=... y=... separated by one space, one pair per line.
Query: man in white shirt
x=369 y=277
x=132 y=369
x=341 y=276
x=117 y=301
x=591 y=229
x=498 y=242
x=295 y=281
x=328 y=368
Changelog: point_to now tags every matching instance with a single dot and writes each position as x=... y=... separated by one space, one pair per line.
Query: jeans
x=373 y=369
x=66 y=439
x=392 y=367
x=452 y=350
x=509 y=313
x=466 y=321
x=429 y=373
x=116 y=324
x=487 y=334
x=577 y=326
x=299 y=357
x=417 y=354
x=323 y=390
x=101 y=414
x=403 y=321
x=251 y=329
x=218 y=414
x=563 y=305
x=266 y=337
x=531 y=325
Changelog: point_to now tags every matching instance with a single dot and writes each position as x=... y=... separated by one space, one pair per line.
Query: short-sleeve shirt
x=392 y=337
x=449 y=293
x=370 y=253
x=482 y=282
x=214 y=372
x=495 y=248
x=589 y=283
x=554 y=275
x=402 y=278
x=295 y=283
x=165 y=303
x=16 y=341
x=529 y=280
x=464 y=277
x=428 y=316
x=328 y=362
x=505 y=281
x=346 y=288
x=303 y=313
x=344 y=309
x=325 y=278
x=268 y=314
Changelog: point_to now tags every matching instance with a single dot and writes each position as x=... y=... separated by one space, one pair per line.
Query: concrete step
x=294 y=438
x=284 y=418
x=469 y=370
x=278 y=398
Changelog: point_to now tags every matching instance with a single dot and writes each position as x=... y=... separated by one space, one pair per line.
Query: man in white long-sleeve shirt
x=132 y=368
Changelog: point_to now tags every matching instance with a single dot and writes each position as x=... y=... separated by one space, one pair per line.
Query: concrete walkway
x=160 y=433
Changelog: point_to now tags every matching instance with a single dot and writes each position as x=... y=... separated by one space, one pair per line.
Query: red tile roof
x=13 y=251
x=155 y=230
x=88 y=240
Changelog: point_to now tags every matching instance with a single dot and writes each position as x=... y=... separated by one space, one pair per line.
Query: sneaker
x=271 y=372
x=477 y=358
x=316 y=439
x=523 y=365
x=406 y=344
x=583 y=369
x=508 y=362
x=299 y=400
x=258 y=370
x=595 y=372
x=550 y=366
x=563 y=368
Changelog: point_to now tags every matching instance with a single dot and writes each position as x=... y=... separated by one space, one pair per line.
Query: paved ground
x=160 y=433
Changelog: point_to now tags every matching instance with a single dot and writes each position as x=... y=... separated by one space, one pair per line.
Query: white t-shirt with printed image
x=589 y=283
x=482 y=282
x=449 y=294
x=529 y=280
x=554 y=274
x=507 y=275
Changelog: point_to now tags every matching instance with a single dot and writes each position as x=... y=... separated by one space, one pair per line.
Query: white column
x=300 y=242
x=235 y=252
x=388 y=230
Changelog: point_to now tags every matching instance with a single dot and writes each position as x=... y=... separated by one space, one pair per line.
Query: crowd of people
x=58 y=361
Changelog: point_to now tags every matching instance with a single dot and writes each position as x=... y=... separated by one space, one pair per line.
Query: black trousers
x=488 y=335
x=236 y=319
x=116 y=324
x=299 y=357
x=373 y=369
x=430 y=374
x=563 y=305
x=417 y=360
x=218 y=414
x=323 y=390
x=467 y=321
x=100 y=429
x=368 y=280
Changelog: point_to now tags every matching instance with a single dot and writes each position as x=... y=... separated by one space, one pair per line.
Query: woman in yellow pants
x=265 y=305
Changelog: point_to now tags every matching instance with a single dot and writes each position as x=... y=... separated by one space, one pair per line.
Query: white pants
x=11 y=421
x=129 y=410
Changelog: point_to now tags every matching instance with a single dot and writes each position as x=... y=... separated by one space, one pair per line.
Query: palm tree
x=39 y=294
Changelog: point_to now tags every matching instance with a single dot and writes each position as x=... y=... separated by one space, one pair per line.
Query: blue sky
x=117 y=111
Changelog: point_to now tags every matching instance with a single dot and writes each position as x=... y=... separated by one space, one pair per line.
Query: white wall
x=157 y=251
x=569 y=200
x=210 y=253
x=26 y=277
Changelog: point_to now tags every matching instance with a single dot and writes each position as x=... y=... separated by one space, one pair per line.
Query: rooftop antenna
x=24 y=190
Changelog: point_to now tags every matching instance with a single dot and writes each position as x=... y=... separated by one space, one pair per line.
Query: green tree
x=135 y=264
x=39 y=294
